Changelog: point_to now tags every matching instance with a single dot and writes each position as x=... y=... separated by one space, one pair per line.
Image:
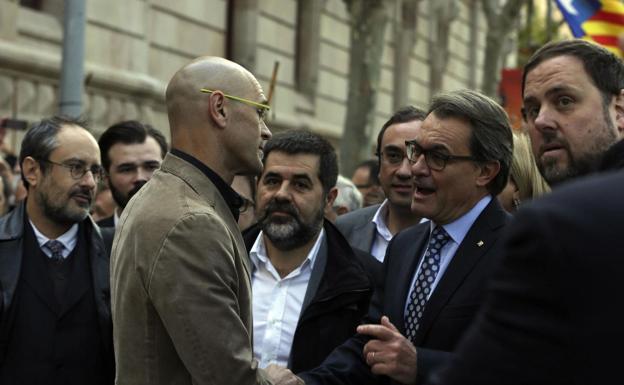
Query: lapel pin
x=480 y=243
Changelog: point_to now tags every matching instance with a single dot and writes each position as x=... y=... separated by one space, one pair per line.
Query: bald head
x=186 y=105
x=211 y=126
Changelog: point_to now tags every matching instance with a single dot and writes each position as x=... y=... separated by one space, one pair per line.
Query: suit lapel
x=367 y=235
x=479 y=239
x=401 y=270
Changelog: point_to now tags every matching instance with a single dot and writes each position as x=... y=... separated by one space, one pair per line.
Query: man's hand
x=279 y=375
x=389 y=353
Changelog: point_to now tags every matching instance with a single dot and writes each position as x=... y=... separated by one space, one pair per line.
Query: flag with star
x=600 y=21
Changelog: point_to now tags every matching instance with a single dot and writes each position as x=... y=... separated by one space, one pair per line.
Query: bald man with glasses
x=180 y=273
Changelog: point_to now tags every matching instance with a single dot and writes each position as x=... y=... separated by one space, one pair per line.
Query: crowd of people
x=235 y=256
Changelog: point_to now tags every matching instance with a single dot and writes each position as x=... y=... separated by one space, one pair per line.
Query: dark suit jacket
x=358 y=228
x=107 y=222
x=11 y=250
x=337 y=297
x=449 y=311
x=554 y=312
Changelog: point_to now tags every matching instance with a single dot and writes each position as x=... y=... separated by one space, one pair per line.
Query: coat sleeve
x=195 y=286
x=518 y=336
x=346 y=365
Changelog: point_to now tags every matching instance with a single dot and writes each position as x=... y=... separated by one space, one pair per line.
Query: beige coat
x=180 y=283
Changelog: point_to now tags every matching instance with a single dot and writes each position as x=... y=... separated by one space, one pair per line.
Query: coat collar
x=341 y=273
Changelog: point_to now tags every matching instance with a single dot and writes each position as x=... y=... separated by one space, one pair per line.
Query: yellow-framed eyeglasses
x=262 y=108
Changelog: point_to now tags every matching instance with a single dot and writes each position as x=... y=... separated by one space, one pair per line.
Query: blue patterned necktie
x=56 y=248
x=422 y=285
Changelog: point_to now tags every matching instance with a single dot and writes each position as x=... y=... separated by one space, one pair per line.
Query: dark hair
x=128 y=132
x=402 y=115
x=295 y=142
x=373 y=170
x=41 y=140
x=604 y=68
x=491 y=137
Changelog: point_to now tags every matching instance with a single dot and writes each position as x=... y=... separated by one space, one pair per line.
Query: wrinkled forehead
x=290 y=165
x=449 y=130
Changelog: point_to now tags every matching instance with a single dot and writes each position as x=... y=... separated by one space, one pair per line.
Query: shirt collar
x=259 y=255
x=232 y=199
x=380 y=221
x=458 y=229
x=68 y=239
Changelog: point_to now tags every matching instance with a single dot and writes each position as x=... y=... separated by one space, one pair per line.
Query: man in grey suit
x=371 y=228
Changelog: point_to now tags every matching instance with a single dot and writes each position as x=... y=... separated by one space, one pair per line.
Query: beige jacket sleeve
x=201 y=291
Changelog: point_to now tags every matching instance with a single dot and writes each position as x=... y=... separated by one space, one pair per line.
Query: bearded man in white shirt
x=310 y=289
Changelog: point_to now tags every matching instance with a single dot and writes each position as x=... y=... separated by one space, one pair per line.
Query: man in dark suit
x=310 y=289
x=553 y=314
x=55 y=320
x=131 y=152
x=435 y=272
x=371 y=228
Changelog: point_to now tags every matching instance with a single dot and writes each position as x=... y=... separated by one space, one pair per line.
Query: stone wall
x=133 y=47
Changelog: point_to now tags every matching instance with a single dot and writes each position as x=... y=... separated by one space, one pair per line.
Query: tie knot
x=439 y=238
x=56 y=248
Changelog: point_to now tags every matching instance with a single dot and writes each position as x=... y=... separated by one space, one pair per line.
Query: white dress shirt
x=68 y=239
x=277 y=303
x=383 y=236
x=457 y=231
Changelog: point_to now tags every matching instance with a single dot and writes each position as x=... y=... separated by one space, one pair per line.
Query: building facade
x=133 y=47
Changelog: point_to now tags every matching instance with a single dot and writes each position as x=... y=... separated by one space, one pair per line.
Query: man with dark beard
x=307 y=282
x=131 y=152
x=573 y=95
x=55 y=320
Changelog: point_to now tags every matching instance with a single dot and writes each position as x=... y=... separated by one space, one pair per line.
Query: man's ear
x=216 y=108
x=31 y=170
x=489 y=171
x=331 y=197
x=619 y=113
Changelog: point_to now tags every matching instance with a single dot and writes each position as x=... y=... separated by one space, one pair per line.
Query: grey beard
x=60 y=214
x=291 y=234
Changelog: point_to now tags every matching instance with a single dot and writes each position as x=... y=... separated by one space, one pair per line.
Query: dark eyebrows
x=435 y=147
x=75 y=160
x=558 y=89
x=271 y=174
x=305 y=177
x=393 y=147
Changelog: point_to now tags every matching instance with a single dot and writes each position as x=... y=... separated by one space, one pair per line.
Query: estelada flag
x=601 y=21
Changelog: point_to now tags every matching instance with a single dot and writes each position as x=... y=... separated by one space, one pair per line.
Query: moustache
x=84 y=193
x=284 y=207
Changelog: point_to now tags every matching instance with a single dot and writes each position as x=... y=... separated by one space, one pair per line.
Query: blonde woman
x=525 y=181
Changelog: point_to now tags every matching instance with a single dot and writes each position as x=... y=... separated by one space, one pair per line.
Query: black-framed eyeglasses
x=78 y=170
x=392 y=156
x=435 y=160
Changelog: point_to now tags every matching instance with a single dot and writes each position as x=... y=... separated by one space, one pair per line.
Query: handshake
x=279 y=375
